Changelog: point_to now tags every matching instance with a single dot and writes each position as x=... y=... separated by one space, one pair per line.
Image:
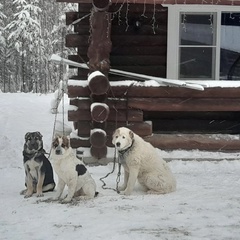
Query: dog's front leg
x=60 y=188
x=126 y=176
x=40 y=185
x=29 y=183
x=71 y=190
x=133 y=174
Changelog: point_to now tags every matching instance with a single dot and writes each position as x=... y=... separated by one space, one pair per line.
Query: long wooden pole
x=141 y=77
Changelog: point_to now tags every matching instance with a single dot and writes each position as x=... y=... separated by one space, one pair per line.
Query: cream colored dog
x=140 y=161
x=71 y=172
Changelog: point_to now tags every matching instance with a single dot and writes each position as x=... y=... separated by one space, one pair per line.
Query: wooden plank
x=184 y=104
x=181 y=142
x=122 y=115
x=156 y=2
x=100 y=42
x=158 y=92
x=86 y=103
x=136 y=50
x=158 y=71
x=193 y=141
x=140 y=40
x=78 y=142
x=141 y=128
x=140 y=60
x=190 y=125
x=75 y=40
x=127 y=30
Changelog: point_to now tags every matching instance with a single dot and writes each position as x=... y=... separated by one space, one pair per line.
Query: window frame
x=173 y=36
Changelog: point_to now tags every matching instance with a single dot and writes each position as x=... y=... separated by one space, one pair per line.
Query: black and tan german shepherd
x=38 y=169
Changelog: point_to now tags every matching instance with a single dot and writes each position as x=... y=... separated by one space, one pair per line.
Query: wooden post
x=101 y=5
x=99 y=66
x=100 y=43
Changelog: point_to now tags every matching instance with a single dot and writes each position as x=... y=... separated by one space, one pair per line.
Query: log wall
x=133 y=38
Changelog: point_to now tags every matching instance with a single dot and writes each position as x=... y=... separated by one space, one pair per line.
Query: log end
x=98 y=83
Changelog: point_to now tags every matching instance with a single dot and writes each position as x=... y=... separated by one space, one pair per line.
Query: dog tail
x=96 y=194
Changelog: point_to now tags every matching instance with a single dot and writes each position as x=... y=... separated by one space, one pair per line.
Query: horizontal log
x=112 y=103
x=127 y=30
x=78 y=142
x=75 y=40
x=193 y=141
x=122 y=115
x=139 y=60
x=156 y=2
x=98 y=153
x=191 y=125
x=184 y=142
x=184 y=104
x=136 y=50
x=141 y=128
x=140 y=40
x=158 y=92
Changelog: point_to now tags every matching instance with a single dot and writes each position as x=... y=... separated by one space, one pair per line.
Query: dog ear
x=131 y=134
x=66 y=141
x=27 y=135
x=114 y=134
x=39 y=134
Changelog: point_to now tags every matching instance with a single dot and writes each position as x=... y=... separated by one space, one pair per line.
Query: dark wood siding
x=139 y=39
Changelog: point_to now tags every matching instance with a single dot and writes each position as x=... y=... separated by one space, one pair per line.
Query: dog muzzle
x=58 y=151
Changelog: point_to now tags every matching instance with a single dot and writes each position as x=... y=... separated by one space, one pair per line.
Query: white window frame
x=174 y=34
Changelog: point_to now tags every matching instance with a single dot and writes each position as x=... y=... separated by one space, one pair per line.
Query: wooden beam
x=141 y=128
x=156 y=2
x=193 y=141
x=157 y=92
x=185 y=104
x=122 y=115
x=100 y=42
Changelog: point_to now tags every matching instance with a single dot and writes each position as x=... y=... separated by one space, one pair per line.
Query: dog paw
x=40 y=194
x=27 y=195
x=23 y=192
x=121 y=189
x=64 y=201
x=126 y=193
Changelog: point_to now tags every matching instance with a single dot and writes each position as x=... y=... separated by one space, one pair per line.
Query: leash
x=118 y=175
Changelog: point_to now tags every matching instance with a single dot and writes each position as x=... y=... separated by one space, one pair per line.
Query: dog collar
x=35 y=154
x=125 y=150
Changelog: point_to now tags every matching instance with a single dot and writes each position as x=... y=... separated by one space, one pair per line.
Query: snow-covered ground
x=206 y=204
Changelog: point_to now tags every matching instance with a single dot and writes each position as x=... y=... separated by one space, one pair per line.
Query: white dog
x=71 y=171
x=140 y=161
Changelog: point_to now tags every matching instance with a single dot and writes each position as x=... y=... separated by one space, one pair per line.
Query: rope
x=60 y=93
x=113 y=169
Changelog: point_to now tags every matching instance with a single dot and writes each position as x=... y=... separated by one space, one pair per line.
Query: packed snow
x=206 y=204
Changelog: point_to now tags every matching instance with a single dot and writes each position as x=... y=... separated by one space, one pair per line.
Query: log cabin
x=190 y=41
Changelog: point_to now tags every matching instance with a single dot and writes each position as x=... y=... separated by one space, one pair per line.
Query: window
x=203 y=43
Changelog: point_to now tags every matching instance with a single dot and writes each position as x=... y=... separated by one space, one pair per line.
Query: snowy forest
x=30 y=32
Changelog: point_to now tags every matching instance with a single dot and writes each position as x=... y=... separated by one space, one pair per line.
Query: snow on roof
x=153 y=83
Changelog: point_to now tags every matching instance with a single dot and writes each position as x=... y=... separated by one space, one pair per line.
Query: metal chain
x=118 y=176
